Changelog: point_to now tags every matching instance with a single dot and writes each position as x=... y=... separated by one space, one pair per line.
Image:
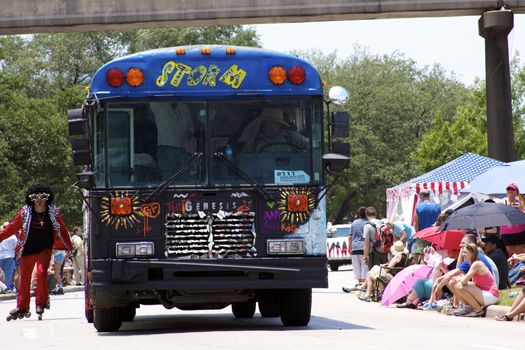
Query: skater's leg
x=27 y=262
x=42 y=264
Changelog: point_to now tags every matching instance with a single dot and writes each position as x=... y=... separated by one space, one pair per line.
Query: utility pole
x=494 y=27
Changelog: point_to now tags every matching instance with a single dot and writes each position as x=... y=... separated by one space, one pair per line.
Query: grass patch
x=504 y=299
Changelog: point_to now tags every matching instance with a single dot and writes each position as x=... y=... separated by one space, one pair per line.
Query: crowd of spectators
x=463 y=281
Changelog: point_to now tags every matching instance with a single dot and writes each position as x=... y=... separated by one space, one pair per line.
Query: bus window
x=120 y=145
x=264 y=139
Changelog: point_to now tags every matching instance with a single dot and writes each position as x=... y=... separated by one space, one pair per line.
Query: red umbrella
x=448 y=239
x=426 y=231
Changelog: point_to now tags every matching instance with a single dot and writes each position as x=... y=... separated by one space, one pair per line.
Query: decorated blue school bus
x=204 y=182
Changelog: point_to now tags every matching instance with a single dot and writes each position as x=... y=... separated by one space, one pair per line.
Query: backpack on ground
x=382 y=237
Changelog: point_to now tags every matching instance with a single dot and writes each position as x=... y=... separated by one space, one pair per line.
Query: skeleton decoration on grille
x=216 y=235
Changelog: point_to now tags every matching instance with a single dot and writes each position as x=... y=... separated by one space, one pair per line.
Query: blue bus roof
x=170 y=72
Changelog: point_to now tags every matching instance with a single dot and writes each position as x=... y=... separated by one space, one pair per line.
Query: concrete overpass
x=31 y=16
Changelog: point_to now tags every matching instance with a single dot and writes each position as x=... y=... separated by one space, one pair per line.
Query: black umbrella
x=482 y=215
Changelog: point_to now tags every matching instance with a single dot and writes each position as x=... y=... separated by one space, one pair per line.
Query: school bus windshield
x=272 y=141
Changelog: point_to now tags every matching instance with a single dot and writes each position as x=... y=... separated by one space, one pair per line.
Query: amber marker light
x=180 y=51
x=115 y=77
x=277 y=75
x=206 y=51
x=134 y=77
x=120 y=206
x=230 y=51
x=296 y=75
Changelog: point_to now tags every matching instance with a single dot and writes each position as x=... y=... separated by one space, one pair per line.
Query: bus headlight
x=135 y=249
x=285 y=246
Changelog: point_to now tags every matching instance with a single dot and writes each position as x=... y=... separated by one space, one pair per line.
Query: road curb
x=494 y=310
x=67 y=289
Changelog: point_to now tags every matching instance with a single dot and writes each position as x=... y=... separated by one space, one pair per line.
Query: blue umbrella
x=494 y=181
x=482 y=215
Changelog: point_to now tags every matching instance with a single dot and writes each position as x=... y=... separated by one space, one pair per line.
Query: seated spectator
x=493 y=251
x=422 y=290
x=482 y=291
x=518 y=307
x=517 y=261
x=385 y=271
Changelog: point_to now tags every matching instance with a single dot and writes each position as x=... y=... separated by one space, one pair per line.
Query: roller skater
x=40 y=312
x=39 y=228
x=17 y=313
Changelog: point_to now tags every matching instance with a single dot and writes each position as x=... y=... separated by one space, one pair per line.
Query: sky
x=453 y=42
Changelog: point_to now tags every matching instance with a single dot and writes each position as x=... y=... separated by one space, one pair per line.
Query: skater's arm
x=12 y=227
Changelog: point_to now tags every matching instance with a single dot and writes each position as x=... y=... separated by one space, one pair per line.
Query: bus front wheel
x=296 y=307
x=243 y=310
x=107 y=320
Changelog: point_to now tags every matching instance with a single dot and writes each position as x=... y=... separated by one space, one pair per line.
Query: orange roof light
x=296 y=75
x=134 y=77
x=180 y=51
x=277 y=75
x=206 y=51
x=115 y=77
x=230 y=51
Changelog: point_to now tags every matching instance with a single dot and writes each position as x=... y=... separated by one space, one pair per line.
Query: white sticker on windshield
x=290 y=177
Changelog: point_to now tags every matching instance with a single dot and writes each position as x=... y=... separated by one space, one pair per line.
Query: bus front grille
x=217 y=235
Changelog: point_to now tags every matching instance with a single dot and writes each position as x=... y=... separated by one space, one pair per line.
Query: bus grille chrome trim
x=212 y=236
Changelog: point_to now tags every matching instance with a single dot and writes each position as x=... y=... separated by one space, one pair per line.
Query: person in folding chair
x=379 y=276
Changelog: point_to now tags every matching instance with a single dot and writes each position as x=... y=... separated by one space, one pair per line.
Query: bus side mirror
x=78 y=127
x=340 y=124
x=335 y=163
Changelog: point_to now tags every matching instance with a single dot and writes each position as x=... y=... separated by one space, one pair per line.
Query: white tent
x=444 y=183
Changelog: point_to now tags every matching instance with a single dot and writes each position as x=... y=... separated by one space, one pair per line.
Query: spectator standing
x=374 y=252
x=78 y=256
x=426 y=215
x=514 y=242
x=7 y=261
x=59 y=257
x=357 y=246
x=402 y=232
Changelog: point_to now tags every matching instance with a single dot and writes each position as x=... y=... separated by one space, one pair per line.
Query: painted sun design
x=295 y=204
x=127 y=219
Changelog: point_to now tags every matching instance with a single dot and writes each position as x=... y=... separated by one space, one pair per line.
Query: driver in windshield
x=275 y=135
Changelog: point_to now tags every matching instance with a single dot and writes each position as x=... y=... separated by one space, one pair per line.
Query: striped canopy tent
x=444 y=183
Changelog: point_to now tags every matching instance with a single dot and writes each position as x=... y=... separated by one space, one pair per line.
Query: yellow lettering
x=166 y=71
x=233 y=77
x=196 y=76
x=182 y=70
x=210 y=78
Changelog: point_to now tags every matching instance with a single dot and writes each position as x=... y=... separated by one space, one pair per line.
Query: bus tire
x=333 y=267
x=296 y=307
x=243 y=310
x=268 y=309
x=107 y=320
x=89 y=315
x=128 y=313
x=88 y=308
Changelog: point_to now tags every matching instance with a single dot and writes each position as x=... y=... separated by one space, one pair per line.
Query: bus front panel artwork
x=204 y=183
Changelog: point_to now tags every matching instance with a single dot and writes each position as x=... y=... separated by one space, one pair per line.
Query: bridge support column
x=494 y=27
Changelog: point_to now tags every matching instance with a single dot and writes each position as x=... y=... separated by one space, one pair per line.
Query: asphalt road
x=339 y=321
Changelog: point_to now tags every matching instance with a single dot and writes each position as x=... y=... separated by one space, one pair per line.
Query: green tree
x=466 y=131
